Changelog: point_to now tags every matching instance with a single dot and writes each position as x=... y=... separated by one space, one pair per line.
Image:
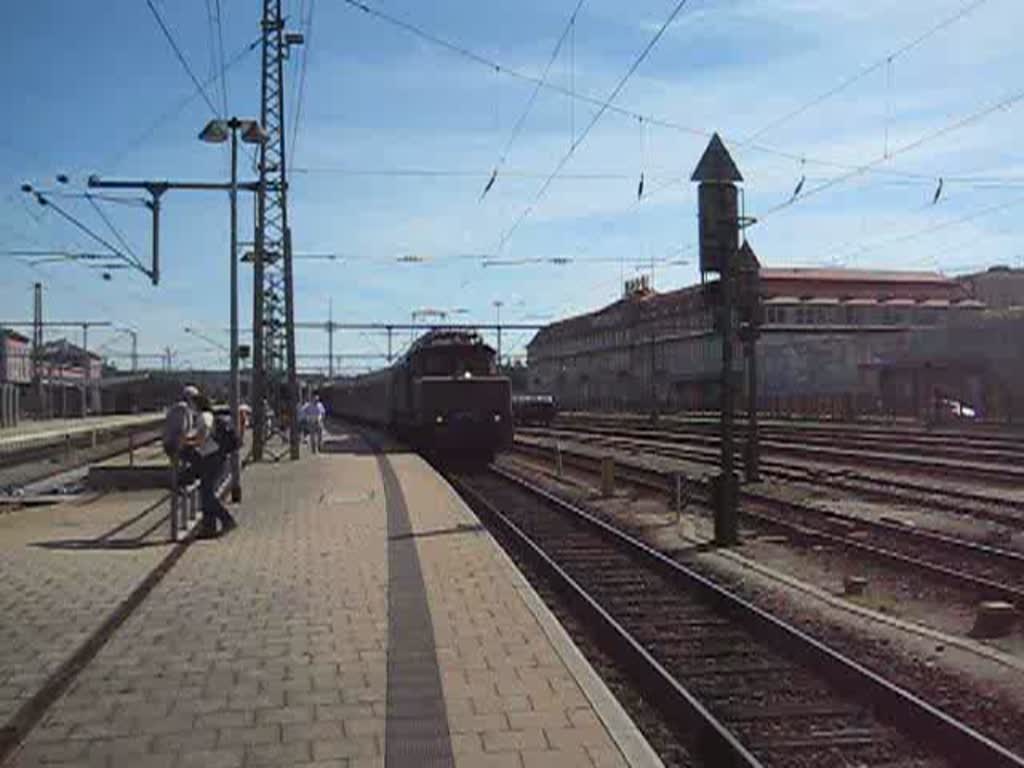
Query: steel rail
x=1010 y=441
x=1003 y=474
x=893 y=704
x=985 y=587
x=713 y=742
x=949 y=499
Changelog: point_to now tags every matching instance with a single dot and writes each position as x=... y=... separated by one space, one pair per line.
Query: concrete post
x=607 y=476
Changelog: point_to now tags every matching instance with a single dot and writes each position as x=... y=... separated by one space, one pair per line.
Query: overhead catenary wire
x=883 y=61
x=54 y=279
x=593 y=121
x=301 y=90
x=179 y=106
x=649 y=118
x=211 y=29
x=933 y=228
x=517 y=128
x=468 y=174
x=220 y=58
x=85 y=228
x=118 y=235
x=956 y=125
x=181 y=57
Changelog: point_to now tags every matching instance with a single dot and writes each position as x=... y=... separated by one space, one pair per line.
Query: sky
x=868 y=104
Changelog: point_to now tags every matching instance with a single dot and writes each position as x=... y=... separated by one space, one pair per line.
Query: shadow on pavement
x=119 y=537
x=347 y=443
x=460 y=528
x=100 y=544
x=344 y=438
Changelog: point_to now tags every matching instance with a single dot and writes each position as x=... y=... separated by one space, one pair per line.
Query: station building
x=829 y=340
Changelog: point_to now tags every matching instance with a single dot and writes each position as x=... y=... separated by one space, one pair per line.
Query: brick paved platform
x=280 y=645
x=63 y=569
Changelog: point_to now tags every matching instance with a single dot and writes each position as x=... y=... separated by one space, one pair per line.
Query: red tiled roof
x=830 y=275
x=813 y=285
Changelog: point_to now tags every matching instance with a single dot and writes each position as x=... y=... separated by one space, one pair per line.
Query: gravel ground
x=984 y=693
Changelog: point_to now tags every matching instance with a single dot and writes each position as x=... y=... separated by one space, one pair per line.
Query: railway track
x=875 y=455
x=886 y=487
x=738 y=686
x=985 y=571
x=948 y=443
x=35 y=460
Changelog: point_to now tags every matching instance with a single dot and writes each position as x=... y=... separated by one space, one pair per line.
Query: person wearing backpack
x=211 y=460
x=179 y=422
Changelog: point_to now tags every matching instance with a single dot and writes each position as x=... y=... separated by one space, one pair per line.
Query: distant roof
x=787 y=285
x=12 y=334
x=852 y=275
x=64 y=350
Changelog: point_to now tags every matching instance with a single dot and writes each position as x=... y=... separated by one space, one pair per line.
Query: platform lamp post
x=217 y=132
x=719 y=225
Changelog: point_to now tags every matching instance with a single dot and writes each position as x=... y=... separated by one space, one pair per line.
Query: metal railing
x=185 y=504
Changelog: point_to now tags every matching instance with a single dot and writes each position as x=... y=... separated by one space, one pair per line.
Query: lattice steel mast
x=274 y=375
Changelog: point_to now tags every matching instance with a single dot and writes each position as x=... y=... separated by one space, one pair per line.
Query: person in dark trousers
x=211 y=460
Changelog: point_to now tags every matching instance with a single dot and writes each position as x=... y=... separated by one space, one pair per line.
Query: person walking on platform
x=314 y=418
x=302 y=419
x=211 y=460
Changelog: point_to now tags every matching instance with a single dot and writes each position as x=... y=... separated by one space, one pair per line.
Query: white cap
x=190 y=391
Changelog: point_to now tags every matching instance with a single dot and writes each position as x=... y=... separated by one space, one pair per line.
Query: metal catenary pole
x=274 y=371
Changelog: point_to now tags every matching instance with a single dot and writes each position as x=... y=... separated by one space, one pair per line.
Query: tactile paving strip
x=416 y=731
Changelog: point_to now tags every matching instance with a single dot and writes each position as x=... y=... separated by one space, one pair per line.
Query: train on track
x=533 y=409
x=443 y=397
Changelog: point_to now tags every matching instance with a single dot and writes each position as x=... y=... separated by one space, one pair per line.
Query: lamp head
x=252 y=132
x=215 y=132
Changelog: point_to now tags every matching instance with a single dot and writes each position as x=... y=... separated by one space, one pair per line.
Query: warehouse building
x=998 y=287
x=826 y=338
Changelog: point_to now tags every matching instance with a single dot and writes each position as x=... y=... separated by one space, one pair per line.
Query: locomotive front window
x=456 y=361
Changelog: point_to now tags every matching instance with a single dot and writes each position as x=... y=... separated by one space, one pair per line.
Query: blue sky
x=89 y=91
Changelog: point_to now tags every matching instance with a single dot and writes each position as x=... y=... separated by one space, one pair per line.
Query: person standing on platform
x=211 y=460
x=179 y=422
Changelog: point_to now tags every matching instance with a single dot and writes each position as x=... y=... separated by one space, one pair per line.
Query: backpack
x=177 y=423
x=225 y=435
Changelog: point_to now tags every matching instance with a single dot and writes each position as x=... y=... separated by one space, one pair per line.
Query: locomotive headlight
x=439 y=419
x=497 y=418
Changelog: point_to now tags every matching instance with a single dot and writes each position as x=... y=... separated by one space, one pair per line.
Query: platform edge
x=629 y=740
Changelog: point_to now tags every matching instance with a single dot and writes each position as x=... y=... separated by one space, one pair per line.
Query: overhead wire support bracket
x=156 y=190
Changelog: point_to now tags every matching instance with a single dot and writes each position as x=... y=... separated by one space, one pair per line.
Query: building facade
x=15 y=358
x=827 y=335
x=999 y=287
